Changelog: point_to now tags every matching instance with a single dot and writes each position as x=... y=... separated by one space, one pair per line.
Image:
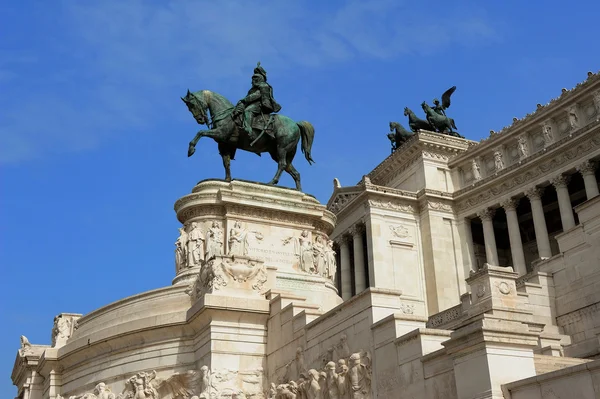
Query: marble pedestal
x=286 y=230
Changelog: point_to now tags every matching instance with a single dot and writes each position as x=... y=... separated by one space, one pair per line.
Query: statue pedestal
x=254 y=226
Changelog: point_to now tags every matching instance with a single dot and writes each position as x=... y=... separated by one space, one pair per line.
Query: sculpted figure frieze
x=316 y=257
x=522 y=147
x=240 y=239
x=348 y=378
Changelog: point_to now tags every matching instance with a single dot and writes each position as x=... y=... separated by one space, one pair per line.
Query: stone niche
x=255 y=235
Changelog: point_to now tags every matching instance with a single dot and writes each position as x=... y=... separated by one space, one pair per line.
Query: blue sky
x=93 y=135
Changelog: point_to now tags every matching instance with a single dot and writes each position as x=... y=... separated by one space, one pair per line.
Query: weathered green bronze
x=400 y=135
x=415 y=123
x=437 y=120
x=440 y=122
x=230 y=127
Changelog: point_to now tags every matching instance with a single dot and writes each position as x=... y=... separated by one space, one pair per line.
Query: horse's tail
x=307 y=132
x=453 y=125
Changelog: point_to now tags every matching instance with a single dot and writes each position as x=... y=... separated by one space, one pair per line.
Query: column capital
x=560 y=181
x=486 y=214
x=343 y=239
x=357 y=229
x=586 y=168
x=534 y=193
x=510 y=204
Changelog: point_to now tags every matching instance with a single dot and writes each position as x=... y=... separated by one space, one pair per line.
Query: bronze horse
x=280 y=141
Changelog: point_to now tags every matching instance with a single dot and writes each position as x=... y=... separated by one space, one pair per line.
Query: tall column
x=560 y=183
x=360 y=278
x=587 y=170
x=491 y=252
x=468 y=250
x=514 y=236
x=346 y=278
x=539 y=222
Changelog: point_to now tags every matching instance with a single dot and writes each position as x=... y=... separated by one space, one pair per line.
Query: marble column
x=346 y=277
x=539 y=222
x=560 y=183
x=514 y=236
x=360 y=276
x=491 y=252
x=587 y=170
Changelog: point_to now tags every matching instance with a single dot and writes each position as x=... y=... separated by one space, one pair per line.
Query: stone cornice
x=543 y=112
x=423 y=144
x=374 y=196
x=521 y=175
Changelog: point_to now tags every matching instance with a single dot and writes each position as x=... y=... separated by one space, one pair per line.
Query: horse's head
x=393 y=126
x=425 y=106
x=197 y=106
x=406 y=111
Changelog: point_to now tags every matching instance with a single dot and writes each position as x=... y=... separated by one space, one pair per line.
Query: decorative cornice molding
x=543 y=111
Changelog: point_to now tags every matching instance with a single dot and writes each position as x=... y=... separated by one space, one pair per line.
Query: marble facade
x=454 y=269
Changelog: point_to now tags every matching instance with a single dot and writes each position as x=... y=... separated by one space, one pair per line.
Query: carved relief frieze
x=340 y=201
x=203 y=384
x=314 y=256
x=392 y=205
x=348 y=378
x=232 y=272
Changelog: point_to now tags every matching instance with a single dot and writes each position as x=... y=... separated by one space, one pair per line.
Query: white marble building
x=454 y=269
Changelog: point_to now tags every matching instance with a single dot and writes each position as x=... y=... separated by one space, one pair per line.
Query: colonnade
x=534 y=195
x=352 y=253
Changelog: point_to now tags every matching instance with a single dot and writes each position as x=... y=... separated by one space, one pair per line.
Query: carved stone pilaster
x=587 y=168
x=560 y=181
x=510 y=204
x=486 y=214
x=534 y=193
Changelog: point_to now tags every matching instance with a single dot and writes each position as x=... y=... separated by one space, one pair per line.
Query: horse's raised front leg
x=192 y=146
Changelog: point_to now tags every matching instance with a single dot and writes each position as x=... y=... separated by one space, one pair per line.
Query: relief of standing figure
x=320 y=259
x=305 y=251
x=196 y=243
x=214 y=241
x=238 y=240
x=181 y=249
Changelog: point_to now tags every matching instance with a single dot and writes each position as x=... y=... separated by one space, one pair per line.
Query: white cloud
x=128 y=54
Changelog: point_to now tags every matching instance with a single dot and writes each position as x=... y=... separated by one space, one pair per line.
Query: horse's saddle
x=264 y=122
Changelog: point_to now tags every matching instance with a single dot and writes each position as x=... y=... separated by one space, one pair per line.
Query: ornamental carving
x=586 y=168
x=486 y=214
x=399 y=231
x=573 y=114
x=203 y=384
x=532 y=173
x=101 y=391
x=340 y=202
x=560 y=181
x=396 y=206
x=348 y=378
x=534 y=193
x=522 y=146
x=64 y=325
x=548 y=132
x=231 y=272
x=510 y=204
x=498 y=160
x=314 y=257
x=439 y=206
x=476 y=168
